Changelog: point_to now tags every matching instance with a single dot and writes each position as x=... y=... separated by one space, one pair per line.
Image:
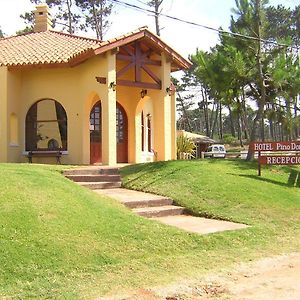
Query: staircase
x=107 y=181
x=95 y=178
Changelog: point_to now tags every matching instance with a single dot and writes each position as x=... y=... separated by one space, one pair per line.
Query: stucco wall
x=77 y=90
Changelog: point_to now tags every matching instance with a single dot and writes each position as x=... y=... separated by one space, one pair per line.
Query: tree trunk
x=95 y=17
x=205 y=108
x=70 y=26
x=245 y=116
x=295 y=116
x=261 y=81
x=157 y=4
x=213 y=128
x=232 y=129
x=184 y=112
x=220 y=121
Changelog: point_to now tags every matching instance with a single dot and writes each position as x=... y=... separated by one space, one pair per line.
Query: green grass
x=58 y=240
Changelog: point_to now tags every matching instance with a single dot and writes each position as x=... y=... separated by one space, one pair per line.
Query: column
x=164 y=118
x=108 y=101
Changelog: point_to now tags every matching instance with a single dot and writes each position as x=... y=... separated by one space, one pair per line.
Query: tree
x=65 y=15
x=96 y=13
x=1 y=33
x=256 y=80
x=156 y=4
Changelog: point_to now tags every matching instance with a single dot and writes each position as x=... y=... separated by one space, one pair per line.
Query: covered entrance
x=96 y=134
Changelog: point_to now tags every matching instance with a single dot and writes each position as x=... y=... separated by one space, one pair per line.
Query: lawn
x=58 y=240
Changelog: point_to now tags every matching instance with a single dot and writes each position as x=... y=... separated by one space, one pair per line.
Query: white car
x=215 y=151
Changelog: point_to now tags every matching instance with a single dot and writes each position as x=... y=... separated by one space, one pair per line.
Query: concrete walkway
x=183 y=221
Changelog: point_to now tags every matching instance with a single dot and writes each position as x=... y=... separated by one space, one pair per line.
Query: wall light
x=149 y=116
x=143 y=93
x=170 y=90
x=113 y=86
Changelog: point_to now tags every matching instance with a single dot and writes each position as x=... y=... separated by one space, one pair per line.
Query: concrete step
x=161 y=211
x=147 y=203
x=94 y=178
x=93 y=171
x=100 y=185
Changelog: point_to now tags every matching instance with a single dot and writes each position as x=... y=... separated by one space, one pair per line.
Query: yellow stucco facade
x=77 y=90
x=95 y=102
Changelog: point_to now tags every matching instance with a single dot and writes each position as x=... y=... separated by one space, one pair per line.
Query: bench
x=45 y=153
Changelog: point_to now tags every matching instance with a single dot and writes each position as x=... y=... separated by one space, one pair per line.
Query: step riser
x=148 y=203
x=113 y=171
x=162 y=213
x=94 y=178
x=102 y=185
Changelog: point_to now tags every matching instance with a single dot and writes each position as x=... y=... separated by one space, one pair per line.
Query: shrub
x=185 y=147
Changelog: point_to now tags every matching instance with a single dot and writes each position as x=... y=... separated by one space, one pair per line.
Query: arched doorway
x=96 y=134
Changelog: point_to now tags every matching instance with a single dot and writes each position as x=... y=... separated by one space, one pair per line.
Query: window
x=149 y=132
x=121 y=123
x=46 y=126
x=96 y=123
x=143 y=131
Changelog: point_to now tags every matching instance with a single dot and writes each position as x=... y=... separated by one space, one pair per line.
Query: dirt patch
x=274 y=278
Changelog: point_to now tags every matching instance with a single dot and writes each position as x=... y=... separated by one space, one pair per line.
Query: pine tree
x=156 y=4
x=96 y=13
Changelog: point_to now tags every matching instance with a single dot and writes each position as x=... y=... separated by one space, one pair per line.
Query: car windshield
x=221 y=148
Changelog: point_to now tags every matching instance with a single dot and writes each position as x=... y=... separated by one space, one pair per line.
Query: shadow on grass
x=256 y=177
x=144 y=171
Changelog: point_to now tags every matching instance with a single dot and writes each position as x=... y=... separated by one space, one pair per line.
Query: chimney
x=42 y=18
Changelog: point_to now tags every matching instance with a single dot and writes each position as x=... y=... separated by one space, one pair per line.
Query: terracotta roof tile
x=51 y=47
x=47 y=47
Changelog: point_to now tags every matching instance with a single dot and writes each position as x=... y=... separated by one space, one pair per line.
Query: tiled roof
x=56 y=48
x=47 y=47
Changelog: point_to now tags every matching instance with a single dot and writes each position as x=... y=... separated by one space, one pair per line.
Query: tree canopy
x=75 y=15
x=254 y=73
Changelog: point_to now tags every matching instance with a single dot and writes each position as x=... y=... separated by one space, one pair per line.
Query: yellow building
x=93 y=101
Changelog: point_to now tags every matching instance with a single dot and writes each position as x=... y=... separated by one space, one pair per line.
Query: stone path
x=107 y=181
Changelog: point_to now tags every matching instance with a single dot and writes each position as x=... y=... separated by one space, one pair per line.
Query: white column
x=163 y=115
x=108 y=102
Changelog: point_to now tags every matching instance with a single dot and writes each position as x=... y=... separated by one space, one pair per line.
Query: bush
x=185 y=147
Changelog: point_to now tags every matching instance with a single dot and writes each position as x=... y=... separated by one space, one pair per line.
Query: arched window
x=46 y=126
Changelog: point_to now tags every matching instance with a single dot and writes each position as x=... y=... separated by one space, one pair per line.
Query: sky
x=183 y=38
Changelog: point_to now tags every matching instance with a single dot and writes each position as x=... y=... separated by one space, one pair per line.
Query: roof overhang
x=177 y=61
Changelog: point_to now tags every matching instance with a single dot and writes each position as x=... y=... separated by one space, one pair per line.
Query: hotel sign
x=283 y=158
x=275 y=146
x=280 y=160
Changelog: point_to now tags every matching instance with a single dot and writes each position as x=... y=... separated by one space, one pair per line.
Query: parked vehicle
x=215 y=151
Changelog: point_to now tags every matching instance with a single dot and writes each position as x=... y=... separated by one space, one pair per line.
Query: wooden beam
x=151 y=74
x=152 y=62
x=143 y=85
x=128 y=49
x=124 y=57
x=125 y=69
x=138 y=62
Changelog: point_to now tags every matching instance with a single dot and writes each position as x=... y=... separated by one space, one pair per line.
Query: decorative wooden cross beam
x=139 y=60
